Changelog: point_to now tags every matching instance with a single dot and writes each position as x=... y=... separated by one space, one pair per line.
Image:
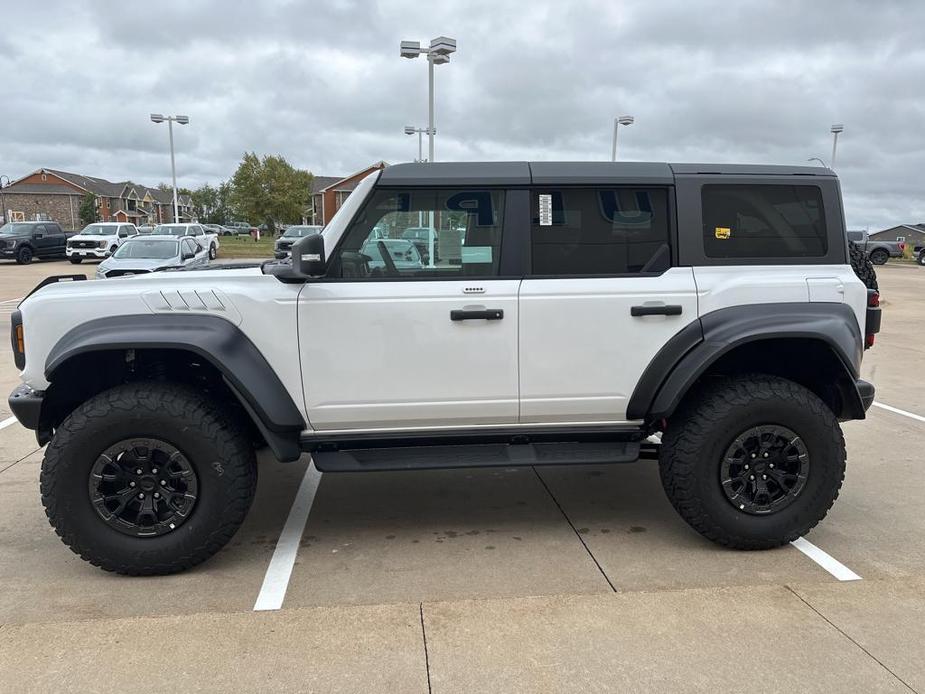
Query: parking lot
x=577 y=578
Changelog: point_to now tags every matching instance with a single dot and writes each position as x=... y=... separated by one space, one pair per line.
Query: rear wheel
x=148 y=478
x=879 y=256
x=752 y=462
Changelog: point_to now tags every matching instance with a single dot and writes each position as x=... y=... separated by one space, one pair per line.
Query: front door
x=601 y=300
x=397 y=336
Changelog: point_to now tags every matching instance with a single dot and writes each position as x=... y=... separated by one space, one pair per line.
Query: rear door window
x=763 y=221
x=602 y=231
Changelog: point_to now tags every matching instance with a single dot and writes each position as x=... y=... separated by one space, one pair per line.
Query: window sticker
x=476 y=254
x=545 y=210
x=722 y=232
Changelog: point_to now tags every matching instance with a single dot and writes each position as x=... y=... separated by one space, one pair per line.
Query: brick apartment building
x=329 y=193
x=57 y=195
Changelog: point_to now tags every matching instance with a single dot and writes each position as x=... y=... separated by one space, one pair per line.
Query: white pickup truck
x=98 y=240
x=203 y=236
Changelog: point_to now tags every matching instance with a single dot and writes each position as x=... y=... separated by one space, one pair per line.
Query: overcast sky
x=322 y=84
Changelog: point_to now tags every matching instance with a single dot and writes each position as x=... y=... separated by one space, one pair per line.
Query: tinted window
x=599 y=231
x=462 y=237
x=770 y=221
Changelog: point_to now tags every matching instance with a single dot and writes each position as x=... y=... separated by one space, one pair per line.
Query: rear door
x=603 y=296
x=389 y=340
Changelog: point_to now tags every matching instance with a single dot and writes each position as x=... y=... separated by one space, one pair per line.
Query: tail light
x=902 y=247
x=872 y=322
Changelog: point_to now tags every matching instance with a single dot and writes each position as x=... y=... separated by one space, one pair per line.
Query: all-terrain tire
x=862 y=266
x=24 y=256
x=203 y=431
x=706 y=424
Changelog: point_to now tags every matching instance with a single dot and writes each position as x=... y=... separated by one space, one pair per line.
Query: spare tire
x=862 y=266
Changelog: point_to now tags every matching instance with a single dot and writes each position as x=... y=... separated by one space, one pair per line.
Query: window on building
x=763 y=221
x=604 y=231
x=424 y=233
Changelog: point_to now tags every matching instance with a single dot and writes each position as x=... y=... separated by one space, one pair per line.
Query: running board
x=476 y=455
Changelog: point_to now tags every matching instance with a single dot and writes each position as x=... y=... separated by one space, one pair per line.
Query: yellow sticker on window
x=722 y=232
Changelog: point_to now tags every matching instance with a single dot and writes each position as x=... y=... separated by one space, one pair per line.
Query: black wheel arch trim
x=218 y=341
x=688 y=355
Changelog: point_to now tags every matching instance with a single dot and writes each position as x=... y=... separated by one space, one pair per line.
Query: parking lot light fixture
x=617 y=122
x=836 y=128
x=182 y=120
x=821 y=163
x=411 y=130
x=438 y=53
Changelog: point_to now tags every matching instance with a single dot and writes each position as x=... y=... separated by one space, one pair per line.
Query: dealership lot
x=557 y=578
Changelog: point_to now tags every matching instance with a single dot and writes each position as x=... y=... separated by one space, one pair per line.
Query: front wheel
x=922 y=258
x=752 y=462
x=213 y=253
x=148 y=478
x=24 y=256
x=75 y=259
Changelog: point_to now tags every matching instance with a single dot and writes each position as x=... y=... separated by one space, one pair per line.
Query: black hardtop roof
x=465 y=173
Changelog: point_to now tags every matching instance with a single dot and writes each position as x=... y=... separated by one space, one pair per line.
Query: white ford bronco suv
x=570 y=312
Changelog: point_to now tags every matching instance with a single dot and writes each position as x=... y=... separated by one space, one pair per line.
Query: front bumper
x=867 y=392
x=26 y=406
x=87 y=252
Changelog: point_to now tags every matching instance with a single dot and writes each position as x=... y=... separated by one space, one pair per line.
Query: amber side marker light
x=20 y=340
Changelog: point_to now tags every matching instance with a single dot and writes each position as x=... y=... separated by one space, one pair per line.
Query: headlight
x=102 y=244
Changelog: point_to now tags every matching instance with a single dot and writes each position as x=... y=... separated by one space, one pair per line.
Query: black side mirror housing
x=308 y=257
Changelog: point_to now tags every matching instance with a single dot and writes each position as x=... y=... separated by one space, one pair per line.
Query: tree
x=270 y=190
x=88 y=212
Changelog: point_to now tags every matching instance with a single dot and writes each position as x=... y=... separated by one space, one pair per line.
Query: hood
x=147 y=264
x=91 y=237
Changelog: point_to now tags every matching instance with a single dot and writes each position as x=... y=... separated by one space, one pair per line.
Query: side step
x=476 y=455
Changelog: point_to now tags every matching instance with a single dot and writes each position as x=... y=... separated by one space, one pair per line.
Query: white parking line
x=825 y=560
x=10 y=301
x=890 y=408
x=276 y=580
x=9 y=421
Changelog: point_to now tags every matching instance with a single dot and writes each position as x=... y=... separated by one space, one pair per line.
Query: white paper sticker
x=545 y=210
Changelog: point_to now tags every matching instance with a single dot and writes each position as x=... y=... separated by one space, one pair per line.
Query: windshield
x=299 y=232
x=12 y=228
x=152 y=249
x=99 y=230
x=170 y=230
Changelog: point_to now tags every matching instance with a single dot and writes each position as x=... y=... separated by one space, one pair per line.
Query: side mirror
x=308 y=256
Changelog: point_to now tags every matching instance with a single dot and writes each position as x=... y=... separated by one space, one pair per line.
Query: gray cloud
x=322 y=84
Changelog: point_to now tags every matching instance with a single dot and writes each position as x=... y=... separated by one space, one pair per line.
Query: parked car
x=151 y=253
x=241 y=228
x=23 y=241
x=206 y=239
x=146 y=229
x=878 y=251
x=99 y=240
x=609 y=302
x=219 y=230
x=284 y=243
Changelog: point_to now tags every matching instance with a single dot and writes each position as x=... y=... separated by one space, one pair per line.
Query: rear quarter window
x=763 y=221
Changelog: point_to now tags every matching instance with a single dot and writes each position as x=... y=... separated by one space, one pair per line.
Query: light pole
x=2 y=199
x=182 y=120
x=837 y=128
x=437 y=54
x=411 y=130
x=824 y=165
x=617 y=122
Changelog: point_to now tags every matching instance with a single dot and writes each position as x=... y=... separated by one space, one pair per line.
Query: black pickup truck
x=23 y=241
